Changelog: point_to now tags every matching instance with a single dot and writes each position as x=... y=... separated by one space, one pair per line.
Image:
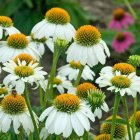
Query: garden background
x=26 y=13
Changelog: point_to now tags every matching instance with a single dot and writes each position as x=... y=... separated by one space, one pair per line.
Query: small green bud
x=60 y=43
x=134 y=60
x=95 y=98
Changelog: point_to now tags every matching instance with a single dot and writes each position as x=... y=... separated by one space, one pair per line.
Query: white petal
x=76 y=124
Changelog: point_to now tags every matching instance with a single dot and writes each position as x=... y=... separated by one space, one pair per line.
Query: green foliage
x=4 y=136
x=26 y=13
x=118 y=121
x=135 y=48
x=108 y=35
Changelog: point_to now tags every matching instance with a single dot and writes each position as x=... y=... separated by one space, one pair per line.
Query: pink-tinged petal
x=122 y=46
x=129 y=18
x=114 y=24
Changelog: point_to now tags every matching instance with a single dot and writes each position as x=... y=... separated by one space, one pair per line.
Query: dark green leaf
x=26 y=19
x=10 y=6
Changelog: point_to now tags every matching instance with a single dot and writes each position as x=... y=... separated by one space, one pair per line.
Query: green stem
x=30 y=111
x=41 y=97
x=126 y=116
x=130 y=9
x=79 y=76
x=58 y=137
x=85 y=136
x=134 y=117
x=115 y=110
x=49 y=90
x=30 y=136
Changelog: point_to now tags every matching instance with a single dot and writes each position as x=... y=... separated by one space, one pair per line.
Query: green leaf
x=135 y=28
x=8 y=7
x=26 y=19
x=107 y=36
x=5 y=136
x=29 y=3
x=135 y=49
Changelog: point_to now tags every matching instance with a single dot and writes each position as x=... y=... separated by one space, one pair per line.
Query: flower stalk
x=41 y=97
x=115 y=111
x=30 y=111
x=134 y=117
x=79 y=76
x=126 y=116
x=59 y=46
x=130 y=9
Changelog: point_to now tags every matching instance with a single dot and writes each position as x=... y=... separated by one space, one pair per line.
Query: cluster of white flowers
x=77 y=104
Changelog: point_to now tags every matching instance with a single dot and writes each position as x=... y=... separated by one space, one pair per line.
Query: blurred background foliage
x=26 y=13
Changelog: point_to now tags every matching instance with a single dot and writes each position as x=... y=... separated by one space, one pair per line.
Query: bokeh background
x=26 y=13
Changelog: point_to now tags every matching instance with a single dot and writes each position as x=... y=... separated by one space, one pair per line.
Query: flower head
x=137 y=121
x=15 y=45
x=57 y=16
x=13 y=104
x=13 y=111
x=102 y=137
x=88 y=47
x=67 y=103
x=118 y=82
x=122 y=41
x=96 y=98
x=119 y=14
x=121 y=19
x=124 y=68
x=60 y=44
x=5 y=21
x=6 y=27
x=24 y=57
x=96 y=101
x=87 y=35
x=121 y=81
x=120 y=129
x=17 y=41
x=55 y=25
x=67 y=112
x=22 y=73
x=83 y=89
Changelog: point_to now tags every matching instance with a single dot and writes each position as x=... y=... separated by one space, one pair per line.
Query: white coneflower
x=14 y=112
x=123 y=68
x=22 y=73
x=88 y=47
x=15 y=45
x=39 y=44
x=61 y=83
x=125 y=84
x=92 y=97
x=56 y=25
x=69 y=113
x=72 y=69
x=6 y=26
